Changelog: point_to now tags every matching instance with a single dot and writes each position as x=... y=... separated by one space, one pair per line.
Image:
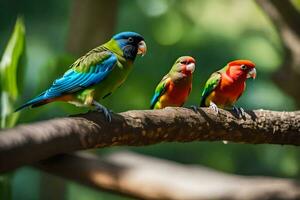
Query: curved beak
x=252 y=73
x=142 y=48
x=191 y=67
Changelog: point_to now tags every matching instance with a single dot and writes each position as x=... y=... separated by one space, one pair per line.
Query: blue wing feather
x=159 y=91
x=154 y=99
x=73 y=81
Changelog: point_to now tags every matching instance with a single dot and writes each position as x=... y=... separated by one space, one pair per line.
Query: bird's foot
x=194 y=108
x=239 y=111
x=214 y=107
x=101 y=108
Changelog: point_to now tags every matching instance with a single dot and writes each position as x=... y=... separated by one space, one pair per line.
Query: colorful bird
x=175 y=87
x=96 y=74
x=225 y=86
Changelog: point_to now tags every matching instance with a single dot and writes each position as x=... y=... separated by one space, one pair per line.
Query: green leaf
x=10 y=66
x=5 y=186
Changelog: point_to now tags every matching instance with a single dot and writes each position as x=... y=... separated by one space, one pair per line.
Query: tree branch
x=151 y=178
x=29 y=143
x=285 y=17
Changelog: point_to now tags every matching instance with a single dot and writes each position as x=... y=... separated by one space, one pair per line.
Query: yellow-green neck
x=113 y=46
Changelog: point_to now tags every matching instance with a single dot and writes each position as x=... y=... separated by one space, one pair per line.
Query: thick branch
x=29 y=143
x=151 y=178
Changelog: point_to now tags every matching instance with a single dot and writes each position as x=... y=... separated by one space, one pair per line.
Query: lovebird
x=225 y=86
x=95 y=75
x=175 y=87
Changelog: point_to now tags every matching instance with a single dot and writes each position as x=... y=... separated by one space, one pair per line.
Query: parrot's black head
x=131 y=44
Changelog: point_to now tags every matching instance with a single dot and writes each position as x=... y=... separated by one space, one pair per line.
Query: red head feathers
x=241 y=69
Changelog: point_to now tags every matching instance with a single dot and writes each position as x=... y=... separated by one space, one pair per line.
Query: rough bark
x=92 y=23
x=145 y=177
x=29 y=143
x=286 y=19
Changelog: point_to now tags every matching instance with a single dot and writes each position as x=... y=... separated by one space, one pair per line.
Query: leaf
x=10 y=66
x=5 y=186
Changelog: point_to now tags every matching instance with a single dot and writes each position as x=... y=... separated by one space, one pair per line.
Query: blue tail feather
x=154 y=100
x=32 y=102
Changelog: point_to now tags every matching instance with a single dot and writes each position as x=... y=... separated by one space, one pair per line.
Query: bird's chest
x=231 y=87
x=229 y=91
x=113 y=81
x=178 y=92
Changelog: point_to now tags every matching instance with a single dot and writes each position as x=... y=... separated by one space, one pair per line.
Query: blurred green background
x=212 y=31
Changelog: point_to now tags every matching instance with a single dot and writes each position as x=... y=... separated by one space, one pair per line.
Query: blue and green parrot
x=96 y=74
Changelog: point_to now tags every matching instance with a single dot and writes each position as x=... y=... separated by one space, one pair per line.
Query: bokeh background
x=213 y=31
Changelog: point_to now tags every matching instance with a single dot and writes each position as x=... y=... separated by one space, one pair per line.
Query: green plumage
x=211 y=84
x=175 y=86
x=95 y=75
x=114 y=80
x=160 y=89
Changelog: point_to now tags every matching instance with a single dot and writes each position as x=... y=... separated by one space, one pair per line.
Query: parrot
x=225 y=86
x=95 y=75
x=175 y=87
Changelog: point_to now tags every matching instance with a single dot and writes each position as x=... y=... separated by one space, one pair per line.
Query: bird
x=95 y=75
x=175 y=87
x=225 y=87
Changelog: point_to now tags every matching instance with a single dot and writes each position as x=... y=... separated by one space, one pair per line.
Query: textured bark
x=92 y=23
x=29 y=143
x=286 y=19
x=151 y=178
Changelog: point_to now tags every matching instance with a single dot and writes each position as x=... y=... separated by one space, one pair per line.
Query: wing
x=87 y=71
x=161 y=88
x=210 y=85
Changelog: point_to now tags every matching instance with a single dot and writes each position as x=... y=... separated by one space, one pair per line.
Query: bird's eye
x=243 y=67
x=130 y=39
x=183 y=62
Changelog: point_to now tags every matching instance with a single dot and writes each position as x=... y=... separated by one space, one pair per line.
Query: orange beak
x=252 y=73
x=142 y=48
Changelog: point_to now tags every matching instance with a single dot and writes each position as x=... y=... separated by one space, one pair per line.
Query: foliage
x=212 y=31
x=10 y=69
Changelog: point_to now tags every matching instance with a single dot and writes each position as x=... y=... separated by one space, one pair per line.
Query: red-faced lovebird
x=95 y=75
x=225 y=86
x=175 y=87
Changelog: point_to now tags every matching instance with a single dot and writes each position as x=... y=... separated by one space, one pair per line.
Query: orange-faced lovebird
x=96 y=74
x=175 y=87
x=225 y=86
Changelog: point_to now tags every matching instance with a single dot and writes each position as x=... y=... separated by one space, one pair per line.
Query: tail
x=202 y=103
x=154 y=100
x=152 y=106
x=38 y=101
